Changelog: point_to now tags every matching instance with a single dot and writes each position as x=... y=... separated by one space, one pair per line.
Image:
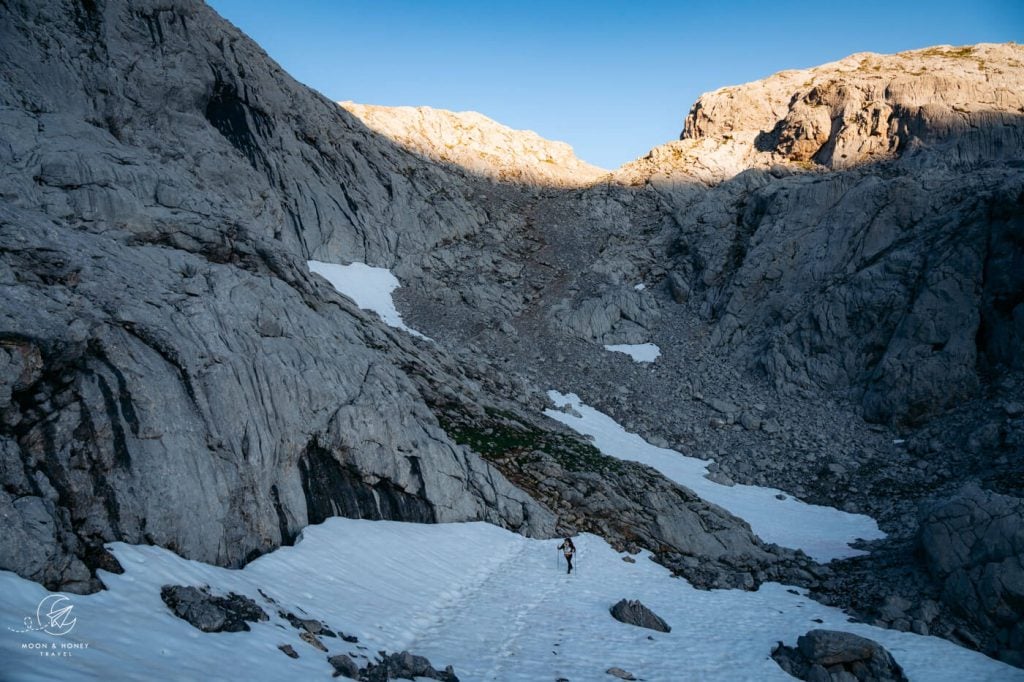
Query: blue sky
x=613 y=79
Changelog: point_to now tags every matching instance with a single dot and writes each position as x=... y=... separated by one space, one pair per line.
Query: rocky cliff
x=480 y=145
x=170 y=371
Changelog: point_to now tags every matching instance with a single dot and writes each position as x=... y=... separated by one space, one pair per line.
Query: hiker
x=569 y=550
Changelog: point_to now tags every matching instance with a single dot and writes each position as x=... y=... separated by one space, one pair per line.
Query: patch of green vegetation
x=503 y=439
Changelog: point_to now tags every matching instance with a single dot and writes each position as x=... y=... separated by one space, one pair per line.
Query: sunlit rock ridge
x=865 y=108
x=479 y=144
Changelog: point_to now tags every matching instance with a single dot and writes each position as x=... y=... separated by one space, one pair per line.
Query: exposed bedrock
x=170 y=373
x=149 y=401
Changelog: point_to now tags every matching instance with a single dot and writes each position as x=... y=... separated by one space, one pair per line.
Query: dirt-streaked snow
x=368 y=286
x=823 y=533
x=493 y=604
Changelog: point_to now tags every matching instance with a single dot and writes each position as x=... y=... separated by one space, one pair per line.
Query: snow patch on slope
x=495 y=605
x=369 y=287
x=823 y=533
x=640 y=352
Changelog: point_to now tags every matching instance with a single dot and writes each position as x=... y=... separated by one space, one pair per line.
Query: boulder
x=612 y=315
x=312 y=640
x=724 y=406
x=678 y=288
x=635 y=613
x=836 y=656
x=344 y=666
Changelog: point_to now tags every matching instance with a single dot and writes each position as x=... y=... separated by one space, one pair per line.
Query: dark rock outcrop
x=633 y=612
x=314 y=627
x=404 y=666
x=973 y=544
x=209 y=612
x=835 y=656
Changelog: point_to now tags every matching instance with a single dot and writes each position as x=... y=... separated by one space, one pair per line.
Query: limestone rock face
x=880 y=284
x=478 y=144
x=619 y=315
x=792 y=290
x=170 y=372
x=205 y=130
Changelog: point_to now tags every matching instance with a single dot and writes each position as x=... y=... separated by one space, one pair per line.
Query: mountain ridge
x=478 y=144
x=860 y=109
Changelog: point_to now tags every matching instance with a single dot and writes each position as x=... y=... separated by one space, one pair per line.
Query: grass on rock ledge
x=502 y=438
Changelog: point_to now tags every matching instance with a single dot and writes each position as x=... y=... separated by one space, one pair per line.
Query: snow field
x=823 y=533
x=491 y=603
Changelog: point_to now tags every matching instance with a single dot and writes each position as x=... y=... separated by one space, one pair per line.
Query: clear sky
x=613 y=79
